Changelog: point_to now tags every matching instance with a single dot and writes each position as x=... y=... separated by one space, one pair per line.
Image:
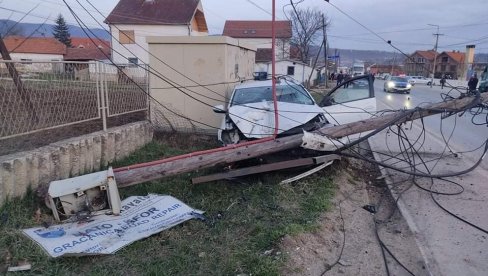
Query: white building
x=132 y=21
x=36 y=53
x=259 y=34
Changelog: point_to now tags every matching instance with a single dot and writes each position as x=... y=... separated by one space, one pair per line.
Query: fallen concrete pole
x=131 y=175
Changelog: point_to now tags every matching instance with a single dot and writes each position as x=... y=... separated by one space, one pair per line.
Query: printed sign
x=141 y=217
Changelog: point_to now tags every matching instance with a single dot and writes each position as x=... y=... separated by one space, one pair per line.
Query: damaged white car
x=250 y=113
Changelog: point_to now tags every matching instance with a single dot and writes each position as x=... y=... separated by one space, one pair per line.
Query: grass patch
x=245 y=219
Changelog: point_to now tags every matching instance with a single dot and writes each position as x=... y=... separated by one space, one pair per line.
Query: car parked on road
x=397 y=84
x=413 y=80
x=250 y=112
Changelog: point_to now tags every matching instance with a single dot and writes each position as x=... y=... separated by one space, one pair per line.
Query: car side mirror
x=219 y=109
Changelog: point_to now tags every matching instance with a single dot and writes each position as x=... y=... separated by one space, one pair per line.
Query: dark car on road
x=397 y=84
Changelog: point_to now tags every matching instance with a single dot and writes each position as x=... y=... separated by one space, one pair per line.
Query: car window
x=285 y=93
x=351 y=91
x=399 y=79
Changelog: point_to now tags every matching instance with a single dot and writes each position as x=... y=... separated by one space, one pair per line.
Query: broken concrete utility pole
x=131 y=175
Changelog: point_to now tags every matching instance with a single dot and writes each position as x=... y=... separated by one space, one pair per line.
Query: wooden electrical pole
x=136 y=174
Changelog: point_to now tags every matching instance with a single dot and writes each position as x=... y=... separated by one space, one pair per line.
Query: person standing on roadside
x=443 y=81
x=473 y=83
x=340 y=78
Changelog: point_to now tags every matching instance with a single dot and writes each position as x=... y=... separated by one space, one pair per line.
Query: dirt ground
x=319 y=252
x=43 y=138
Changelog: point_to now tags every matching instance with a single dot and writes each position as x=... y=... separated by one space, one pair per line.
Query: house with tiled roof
x=89 y=43
x=35 y=48
x=450 y=64
x=259 y=34
x=87 y=49
x=131 y=21
x=420 y=63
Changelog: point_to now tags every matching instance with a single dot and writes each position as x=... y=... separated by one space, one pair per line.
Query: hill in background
x=27 y=29
x=347 y=56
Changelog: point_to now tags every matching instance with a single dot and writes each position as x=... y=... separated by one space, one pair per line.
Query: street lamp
x=435 y=55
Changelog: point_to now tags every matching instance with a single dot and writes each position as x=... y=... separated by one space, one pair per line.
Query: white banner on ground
x=141 y=217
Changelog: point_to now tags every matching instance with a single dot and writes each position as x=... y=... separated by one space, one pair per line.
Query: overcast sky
x=404 y=22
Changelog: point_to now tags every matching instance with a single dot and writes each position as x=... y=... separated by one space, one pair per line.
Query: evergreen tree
x=61 y=31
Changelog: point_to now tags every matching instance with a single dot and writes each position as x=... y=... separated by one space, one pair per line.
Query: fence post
x=101 y=70
x=148 y=94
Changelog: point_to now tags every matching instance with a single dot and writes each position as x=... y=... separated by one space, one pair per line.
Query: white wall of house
x=36 y=57
x=301 y=71
x=121 y=53
x=282 y=45
x=44 y=62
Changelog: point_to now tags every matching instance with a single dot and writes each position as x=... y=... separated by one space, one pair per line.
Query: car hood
x=256 y=120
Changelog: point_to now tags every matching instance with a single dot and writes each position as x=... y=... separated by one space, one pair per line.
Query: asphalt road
x=466 y=135
x=448 y=245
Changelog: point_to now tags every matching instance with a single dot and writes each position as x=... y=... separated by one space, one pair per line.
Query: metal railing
x=48 y=95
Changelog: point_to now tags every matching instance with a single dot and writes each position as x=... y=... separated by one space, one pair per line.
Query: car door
x=352 y=101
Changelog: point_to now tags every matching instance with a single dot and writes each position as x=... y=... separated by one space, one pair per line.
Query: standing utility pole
x=393 y=63
x=437 y=34
x=326 y=52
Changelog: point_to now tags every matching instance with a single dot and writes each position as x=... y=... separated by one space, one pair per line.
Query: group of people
x=472 y=83
x=341 y=77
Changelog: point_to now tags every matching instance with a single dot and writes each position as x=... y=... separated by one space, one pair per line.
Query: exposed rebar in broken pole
x=128 y=176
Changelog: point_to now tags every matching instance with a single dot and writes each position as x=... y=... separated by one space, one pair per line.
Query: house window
x=127 y=37
x=291 y=71
x=420 y=60
x=443 y=68
x=445 y=59
x=133 y=60
x=26 y=60
x=452 y=68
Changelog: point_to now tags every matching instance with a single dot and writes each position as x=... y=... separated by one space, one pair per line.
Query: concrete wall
x=218 y=63
x=68 y=158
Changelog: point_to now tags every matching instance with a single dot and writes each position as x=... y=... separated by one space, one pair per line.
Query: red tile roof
x=456 y=56
x=34 y=45
x=153 y=12
x=87 y=43
x=429 y=55
x=256 y=29
x=85 y=54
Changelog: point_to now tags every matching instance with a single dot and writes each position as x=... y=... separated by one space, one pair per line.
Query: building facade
x=420 y=63
x=132 y=21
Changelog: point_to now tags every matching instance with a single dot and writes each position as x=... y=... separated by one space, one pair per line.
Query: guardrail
x=48 y=95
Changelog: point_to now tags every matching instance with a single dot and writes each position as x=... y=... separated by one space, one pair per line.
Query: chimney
x=468 y=61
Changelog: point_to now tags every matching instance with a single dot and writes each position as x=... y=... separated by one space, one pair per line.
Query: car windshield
x=285 y=93
x=399 y=79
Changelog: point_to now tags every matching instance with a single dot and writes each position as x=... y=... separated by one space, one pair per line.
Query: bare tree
x=307 y=25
